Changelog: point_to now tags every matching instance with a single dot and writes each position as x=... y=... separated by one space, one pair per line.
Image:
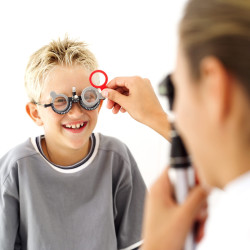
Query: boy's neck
x=64 y=157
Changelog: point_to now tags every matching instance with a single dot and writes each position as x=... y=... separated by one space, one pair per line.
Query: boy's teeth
x=75 y=125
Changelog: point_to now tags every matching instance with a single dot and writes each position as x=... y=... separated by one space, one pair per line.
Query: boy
x=69 y=188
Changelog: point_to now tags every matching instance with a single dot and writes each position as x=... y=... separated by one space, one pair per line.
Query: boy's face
x=58 y=128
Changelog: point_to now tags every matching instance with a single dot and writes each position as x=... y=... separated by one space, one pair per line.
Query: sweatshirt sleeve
x=9 y=210
x=129 y=204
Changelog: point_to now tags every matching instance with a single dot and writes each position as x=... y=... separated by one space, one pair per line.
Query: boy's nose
x=76 y=110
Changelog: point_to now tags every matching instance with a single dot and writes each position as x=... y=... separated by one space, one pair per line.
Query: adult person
x=212 y=106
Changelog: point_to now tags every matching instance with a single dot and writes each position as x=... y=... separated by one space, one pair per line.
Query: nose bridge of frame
x=75 y=107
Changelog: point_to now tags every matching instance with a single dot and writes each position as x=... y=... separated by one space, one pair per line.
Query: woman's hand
x=166 y=224
x=136 y=96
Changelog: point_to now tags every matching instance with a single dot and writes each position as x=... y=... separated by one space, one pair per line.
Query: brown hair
x=219 y=28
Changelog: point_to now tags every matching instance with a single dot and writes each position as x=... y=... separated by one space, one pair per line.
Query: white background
x=128 y=38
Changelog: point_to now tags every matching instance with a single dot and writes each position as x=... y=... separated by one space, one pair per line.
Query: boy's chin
x=80 y=144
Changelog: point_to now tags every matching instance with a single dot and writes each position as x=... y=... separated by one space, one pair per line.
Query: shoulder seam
x=124 y=159
x=15 y=163
x=35 y=153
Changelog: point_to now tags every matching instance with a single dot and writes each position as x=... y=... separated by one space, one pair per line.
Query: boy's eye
x=60 y=103
x=60 y=100
x=90 y=96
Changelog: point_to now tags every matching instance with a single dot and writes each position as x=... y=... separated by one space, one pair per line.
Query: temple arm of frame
x=47 y=105
x=44 y=105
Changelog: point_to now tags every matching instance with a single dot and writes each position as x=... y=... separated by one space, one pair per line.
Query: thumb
x=115 y=96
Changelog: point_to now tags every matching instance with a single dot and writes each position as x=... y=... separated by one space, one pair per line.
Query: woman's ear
x=217 y=82
x=32 y=111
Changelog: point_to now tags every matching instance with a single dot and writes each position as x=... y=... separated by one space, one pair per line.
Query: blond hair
x=64 y=52
x=219 y=28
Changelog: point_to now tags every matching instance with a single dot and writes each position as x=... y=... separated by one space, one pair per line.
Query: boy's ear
x=100 y=105
x=33 y=113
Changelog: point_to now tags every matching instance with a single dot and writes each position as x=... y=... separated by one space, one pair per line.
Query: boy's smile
x=75 y=127
x=69 y=133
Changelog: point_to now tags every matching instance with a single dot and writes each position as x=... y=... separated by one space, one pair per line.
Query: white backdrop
x=128 y=37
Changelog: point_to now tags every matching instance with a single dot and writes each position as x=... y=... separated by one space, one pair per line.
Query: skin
x=60 y=144
x=129 y=94
x=209 y=110
x=212 y=110
x=212 y=114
